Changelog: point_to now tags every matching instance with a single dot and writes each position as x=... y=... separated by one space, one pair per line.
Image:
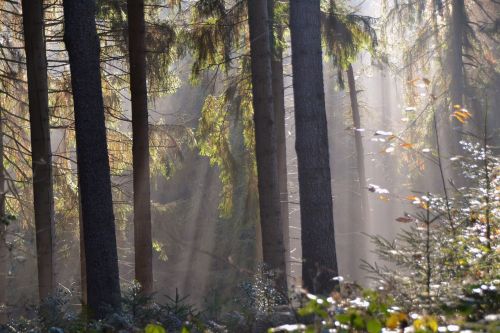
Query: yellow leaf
x=432 y=324
x=392 y=322
x=412 y=198
x=459 y=118
x=417 y=324
x=152 y=328
x=426 y=322
x=395 y=319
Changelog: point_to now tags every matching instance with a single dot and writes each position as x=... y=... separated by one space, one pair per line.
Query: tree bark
x=140 y=146
x=279 y=114
x=4 y=251
x=41 y=154
x=317 y=233
x=360 y=152
x=82 y=44
x=265 y=141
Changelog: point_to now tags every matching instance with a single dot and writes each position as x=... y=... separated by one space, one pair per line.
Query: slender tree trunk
x=279 y=114
x=82 y=44
x=317 y=232
x=43 y=199
x=4 y=251
x=458 y=22
x=453 y=127
x=140 y=146
x=360 y=152
x=265 y=139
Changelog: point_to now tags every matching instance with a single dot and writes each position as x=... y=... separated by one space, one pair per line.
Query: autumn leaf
x=412 y=198
x=407 y=145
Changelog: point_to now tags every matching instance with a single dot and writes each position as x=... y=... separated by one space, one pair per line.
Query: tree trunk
x=82 y=44
x=140 y=146
x=360 y=152
x=265 y=141
x=317 y=233
x=43 y=199
x=458 y=22
x=4 y=251
x=279 y=114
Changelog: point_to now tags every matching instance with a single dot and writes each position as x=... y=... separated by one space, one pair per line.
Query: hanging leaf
x=407 y=145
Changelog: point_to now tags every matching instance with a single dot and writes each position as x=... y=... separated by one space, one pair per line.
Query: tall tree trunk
x=4 y=251
x=265 y=140
x=140 y=146
x=458 y=22
x=360 y=152
x=82 y=44
x=317 y=232
x=453 y=127
x=279 y=115
x=41 y=155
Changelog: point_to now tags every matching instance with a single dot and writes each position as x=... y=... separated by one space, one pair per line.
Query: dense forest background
x=223 y=159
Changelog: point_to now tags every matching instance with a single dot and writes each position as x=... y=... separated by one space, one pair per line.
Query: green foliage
x=450 y=241
x=7 y=219
x=216 y=30
x=345 y=35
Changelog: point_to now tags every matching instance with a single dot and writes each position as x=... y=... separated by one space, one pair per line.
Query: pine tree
x=140 y=145
x=41 y=154
x=82 y=44
x=265 y=140
x=317 y=233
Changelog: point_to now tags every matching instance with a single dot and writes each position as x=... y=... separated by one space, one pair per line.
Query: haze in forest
x=212 y=165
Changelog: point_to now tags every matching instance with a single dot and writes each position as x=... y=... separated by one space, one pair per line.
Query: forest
x=249 y=166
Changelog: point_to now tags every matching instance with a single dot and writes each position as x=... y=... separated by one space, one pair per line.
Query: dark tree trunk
x=140 y=146
x=265 y=140
x=279 y=114
x=4 y=251
x=317 y=233
x=82 y=44
x=41 y=155
x=360 y=152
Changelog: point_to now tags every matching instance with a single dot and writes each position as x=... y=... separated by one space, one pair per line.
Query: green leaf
x=373 y=326
x=343 y=318
x=358 y=321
